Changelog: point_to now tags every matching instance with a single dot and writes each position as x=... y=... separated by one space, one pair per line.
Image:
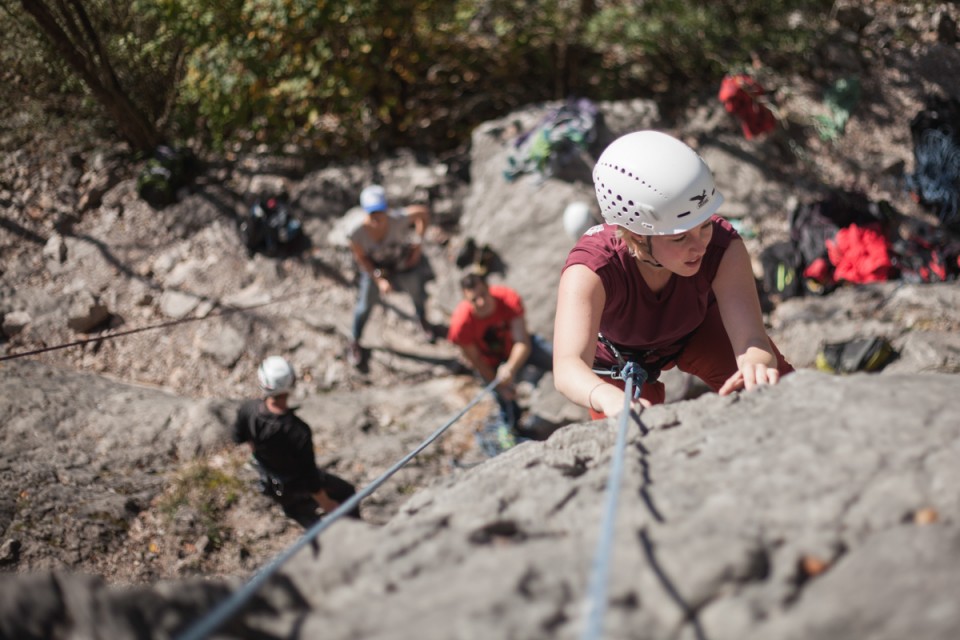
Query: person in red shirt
x=663 y=283
x=489 y=327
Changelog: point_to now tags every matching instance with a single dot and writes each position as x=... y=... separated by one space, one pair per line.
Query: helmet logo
x=701 y=199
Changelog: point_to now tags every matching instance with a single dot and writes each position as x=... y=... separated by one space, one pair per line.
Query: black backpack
x=269 y=225
x=164 y=174
x=811 y=225
x=782 y=275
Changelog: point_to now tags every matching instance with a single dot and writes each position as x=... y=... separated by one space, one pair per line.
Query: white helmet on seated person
x=276 y=376
x=653 y=184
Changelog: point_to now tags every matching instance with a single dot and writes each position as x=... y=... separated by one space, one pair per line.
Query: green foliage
x=126 y=49
x=353 y=77
x=356 y=76
x=669 y=43
x=206 y=491
x=841 y=99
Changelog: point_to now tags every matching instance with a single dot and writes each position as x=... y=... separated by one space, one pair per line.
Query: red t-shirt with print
x=491 y=334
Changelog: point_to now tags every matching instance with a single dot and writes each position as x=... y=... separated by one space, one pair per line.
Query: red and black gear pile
x=846 y=238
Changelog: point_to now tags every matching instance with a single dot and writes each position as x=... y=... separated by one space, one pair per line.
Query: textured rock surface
x=825 y=507
x=920 y=321
x=89 y=468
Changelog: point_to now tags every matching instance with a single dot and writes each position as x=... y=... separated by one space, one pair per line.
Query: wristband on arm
x=590 y=397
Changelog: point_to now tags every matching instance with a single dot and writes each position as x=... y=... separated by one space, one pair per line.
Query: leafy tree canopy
x=355 y=77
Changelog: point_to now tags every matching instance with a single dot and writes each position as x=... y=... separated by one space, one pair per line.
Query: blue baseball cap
x=373 y=198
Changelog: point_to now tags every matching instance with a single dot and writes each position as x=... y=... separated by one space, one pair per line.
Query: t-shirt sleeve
x=302 y=462
x=598 y=253
x=723 y=232
x=512 y=300
x=400 y=227
x=241 y=424
x=460 y=332
x=590 y=252
x=356 y=234
x=723 y=235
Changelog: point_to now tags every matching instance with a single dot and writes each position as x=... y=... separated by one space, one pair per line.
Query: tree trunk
x=69 y=29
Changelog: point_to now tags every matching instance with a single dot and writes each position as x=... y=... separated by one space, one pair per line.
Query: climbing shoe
x=860 y=354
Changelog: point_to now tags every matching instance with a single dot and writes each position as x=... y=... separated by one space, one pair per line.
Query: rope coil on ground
x=229 y=607
x=596 y=600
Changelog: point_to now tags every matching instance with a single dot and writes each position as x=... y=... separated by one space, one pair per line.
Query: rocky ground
x=82 y=257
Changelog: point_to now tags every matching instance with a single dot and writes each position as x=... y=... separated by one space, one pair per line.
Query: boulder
x=55 y=252
x=224 y=344
x=85 y=312
x=14 y=322
x=816 y=508
x=177 y=304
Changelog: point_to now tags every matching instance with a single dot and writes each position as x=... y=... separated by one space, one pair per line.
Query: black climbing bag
x=164 y=174
x=269 y=225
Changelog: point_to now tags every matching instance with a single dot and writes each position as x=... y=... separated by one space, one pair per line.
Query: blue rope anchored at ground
x=596 y=602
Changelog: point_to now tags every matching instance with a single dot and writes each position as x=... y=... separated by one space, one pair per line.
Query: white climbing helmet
x=373 y=198
x=577 y=219
x=653 y=184
x=276 y=376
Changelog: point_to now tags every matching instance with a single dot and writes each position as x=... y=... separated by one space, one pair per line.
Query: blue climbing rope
x=229 y=607
x=596 y=603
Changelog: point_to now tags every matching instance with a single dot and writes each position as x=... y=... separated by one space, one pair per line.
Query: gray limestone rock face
x=178 y=305
x=822 y=507
x=55 y=251
x=920 y=320
x=14 y=322
x=81 y=456
x=225 y=345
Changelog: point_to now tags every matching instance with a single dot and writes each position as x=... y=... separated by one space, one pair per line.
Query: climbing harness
x=619 y=371
x=650 y=370
x=229 y=607
x=596 y=602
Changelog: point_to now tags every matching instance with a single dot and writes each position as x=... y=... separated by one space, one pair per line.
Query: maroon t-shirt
x=634 y=317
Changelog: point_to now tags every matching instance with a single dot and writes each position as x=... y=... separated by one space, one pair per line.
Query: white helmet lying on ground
x=577 y=218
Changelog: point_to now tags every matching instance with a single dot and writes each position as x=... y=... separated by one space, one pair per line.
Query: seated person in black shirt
x=282 y=447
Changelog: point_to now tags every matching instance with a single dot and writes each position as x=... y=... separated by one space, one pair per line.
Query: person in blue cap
x=386 y=244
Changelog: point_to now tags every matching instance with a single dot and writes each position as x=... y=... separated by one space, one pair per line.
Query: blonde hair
x=642 y=252
x=634 y=245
